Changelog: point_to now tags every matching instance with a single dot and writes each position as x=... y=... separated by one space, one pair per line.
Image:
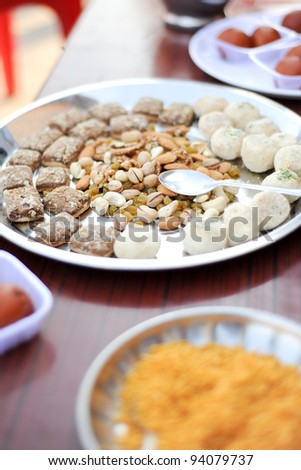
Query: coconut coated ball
x=226 y=142
x=257 y=153
x=241 y=113
x=209 y=123
x=261 y=126
x=208 y=104
x=290 y=158
x=273 y=209
x=284 y=179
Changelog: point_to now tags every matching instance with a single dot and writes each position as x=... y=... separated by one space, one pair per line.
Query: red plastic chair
x=66 y=10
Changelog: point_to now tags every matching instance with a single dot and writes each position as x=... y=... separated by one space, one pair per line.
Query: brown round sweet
x=293 y=21
x=14 y=304
x=294 y=51
x=264 y=35
x=236 y=37
x=289 y=66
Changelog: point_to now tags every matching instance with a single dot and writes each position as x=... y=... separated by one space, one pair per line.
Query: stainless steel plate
x=171 y=254
x=258 y=331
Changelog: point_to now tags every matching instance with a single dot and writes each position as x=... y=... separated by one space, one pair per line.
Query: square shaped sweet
x=15 y=177
x=68 y=119
x=50 y=177
x=151 y=107
x=62 y=152
x=120 y=124
x=90 y=129
x=31 y=158
x=57 y=230
x=105 y=111
x=177 y=114
x=66 y=199
x=41 y=140
x=23 y=204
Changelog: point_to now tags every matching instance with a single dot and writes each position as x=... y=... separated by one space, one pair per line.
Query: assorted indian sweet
x=290 y=64
x=208 y=397
x=89 y=180
x=15 y=304
x=261 y=35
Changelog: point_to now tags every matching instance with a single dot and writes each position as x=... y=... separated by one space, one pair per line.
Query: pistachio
x=150 y=181
x=147 y=214
x=143 y=157
x=121 y=175
x=120 y=222
x=186 y=215
x=154 y=199
x=130 y=193
x=148 y=168
x=115 y=199
x=135 y=175
x=114 y=185
x=168 y=210
x=101 y=205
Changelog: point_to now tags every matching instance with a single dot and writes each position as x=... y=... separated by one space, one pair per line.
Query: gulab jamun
x=264 y=35
x=293 y=21
x=294 y=51
x=236 y=37
x=15 y=304
x=289 y=66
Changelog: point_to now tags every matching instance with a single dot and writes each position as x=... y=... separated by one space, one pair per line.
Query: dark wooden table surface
x=39 y=380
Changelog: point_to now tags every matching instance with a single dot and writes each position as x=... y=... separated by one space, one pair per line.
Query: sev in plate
x=180 y=396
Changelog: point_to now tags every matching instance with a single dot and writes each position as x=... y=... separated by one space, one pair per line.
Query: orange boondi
x=180 y=396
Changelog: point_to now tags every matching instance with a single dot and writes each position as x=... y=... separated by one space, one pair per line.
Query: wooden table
x=39 y=380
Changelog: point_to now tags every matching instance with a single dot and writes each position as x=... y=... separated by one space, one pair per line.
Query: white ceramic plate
x=204 y=52
x=254 y=330
x=171 y=254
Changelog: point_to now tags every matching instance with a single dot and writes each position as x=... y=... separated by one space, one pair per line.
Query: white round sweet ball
x=226 y=142
x=273 y=208
x=137 y=241
x=241 y=222
x=241 y=113
x=208 y=104
x=209 y=123
x=289 y=157
x=257 y=153
x=281 y=139
x=204 y=236
x=284 y=178
x=261 y=126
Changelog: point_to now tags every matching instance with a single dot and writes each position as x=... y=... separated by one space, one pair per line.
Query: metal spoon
x=194 y=183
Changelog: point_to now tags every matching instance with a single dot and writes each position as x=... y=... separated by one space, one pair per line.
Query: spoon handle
x=259 y=187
